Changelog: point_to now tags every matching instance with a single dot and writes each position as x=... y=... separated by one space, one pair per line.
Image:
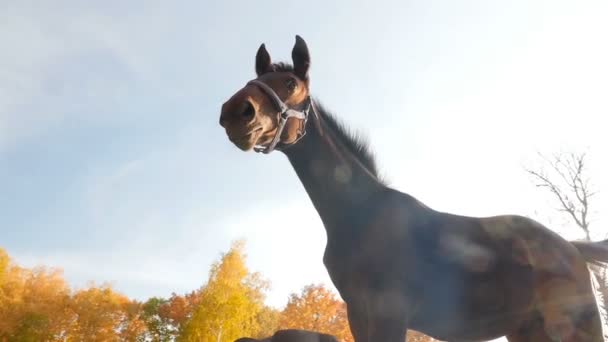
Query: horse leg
x=538 y=334
x=569 y=309
x=535 y=335
x=531 y=331
x=357 y=319
x=387 y=318
x=384 y=328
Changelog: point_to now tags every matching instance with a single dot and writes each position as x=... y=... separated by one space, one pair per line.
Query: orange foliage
x=316 y=309
x=33 y=304
x=37 y=305
x=166 y=318
x=179 y=309
x=104 y=315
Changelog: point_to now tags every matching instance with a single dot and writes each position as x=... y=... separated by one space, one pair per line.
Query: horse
x=398 y=263
x=292 y=335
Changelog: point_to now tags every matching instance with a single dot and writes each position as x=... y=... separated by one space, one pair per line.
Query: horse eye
x=292 y=84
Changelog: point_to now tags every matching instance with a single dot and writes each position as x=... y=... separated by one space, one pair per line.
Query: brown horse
x=396 y=262
x=293 y=335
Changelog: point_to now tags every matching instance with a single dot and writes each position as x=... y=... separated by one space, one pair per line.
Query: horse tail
x=593 y=252
x=596 y=255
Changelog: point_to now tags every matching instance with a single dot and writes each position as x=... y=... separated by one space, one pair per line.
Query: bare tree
x=565 y=176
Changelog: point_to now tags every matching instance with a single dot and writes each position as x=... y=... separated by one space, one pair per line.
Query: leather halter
x=285 y=113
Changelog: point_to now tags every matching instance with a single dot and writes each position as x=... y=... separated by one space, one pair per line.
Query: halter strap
x=284 y=114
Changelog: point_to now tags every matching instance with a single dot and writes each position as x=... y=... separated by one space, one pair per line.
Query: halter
x=284 y=114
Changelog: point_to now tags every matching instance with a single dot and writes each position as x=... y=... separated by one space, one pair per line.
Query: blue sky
x=113 y=166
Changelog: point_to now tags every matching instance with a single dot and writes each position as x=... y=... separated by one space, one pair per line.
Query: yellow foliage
x=229 y=303
x=33 y=303
x=4 y=261
x=37 y=305
x=101 y=315
x=267 y=321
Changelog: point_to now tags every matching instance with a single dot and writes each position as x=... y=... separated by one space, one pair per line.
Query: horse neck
x=334 y=178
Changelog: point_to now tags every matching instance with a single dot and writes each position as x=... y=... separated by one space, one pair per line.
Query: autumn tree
x=267 y=321
x=133 y=327
x=229 y=303
x=37 y=305
x=180 y=309
x=33 y=303
x=317 y=308
x=166 y=318
x=4 y=261
x=104 y=315
x=158 y=328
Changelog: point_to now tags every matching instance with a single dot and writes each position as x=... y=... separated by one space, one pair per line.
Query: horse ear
x=263 y=64
x=301 y=58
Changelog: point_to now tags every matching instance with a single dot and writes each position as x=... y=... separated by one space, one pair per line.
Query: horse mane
x=352 y=140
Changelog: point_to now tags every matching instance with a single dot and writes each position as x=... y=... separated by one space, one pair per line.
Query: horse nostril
x=249 y=111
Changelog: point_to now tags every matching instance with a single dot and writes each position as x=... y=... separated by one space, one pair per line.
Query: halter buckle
x=284 y=114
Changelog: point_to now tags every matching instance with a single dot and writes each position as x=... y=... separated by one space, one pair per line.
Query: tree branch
x=568 y=185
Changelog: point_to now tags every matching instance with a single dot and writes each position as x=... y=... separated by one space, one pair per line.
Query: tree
x=318 y=309
x=166 y=318
x=267 y=321
x=565 y=177
x=37 y=305
x=179 y=310
x=32 y=303
x=4 y=262
x=104 y=315
x=158 y=327
x=133 y=327
x=229 y=303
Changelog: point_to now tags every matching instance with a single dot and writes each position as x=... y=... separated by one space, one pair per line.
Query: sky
x=113 y=166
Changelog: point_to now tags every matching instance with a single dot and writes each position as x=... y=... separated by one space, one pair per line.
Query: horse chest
x=364 y=263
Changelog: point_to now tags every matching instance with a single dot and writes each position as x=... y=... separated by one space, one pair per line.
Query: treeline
x=38 y=305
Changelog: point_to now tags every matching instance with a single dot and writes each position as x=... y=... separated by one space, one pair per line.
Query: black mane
x=353 y=141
